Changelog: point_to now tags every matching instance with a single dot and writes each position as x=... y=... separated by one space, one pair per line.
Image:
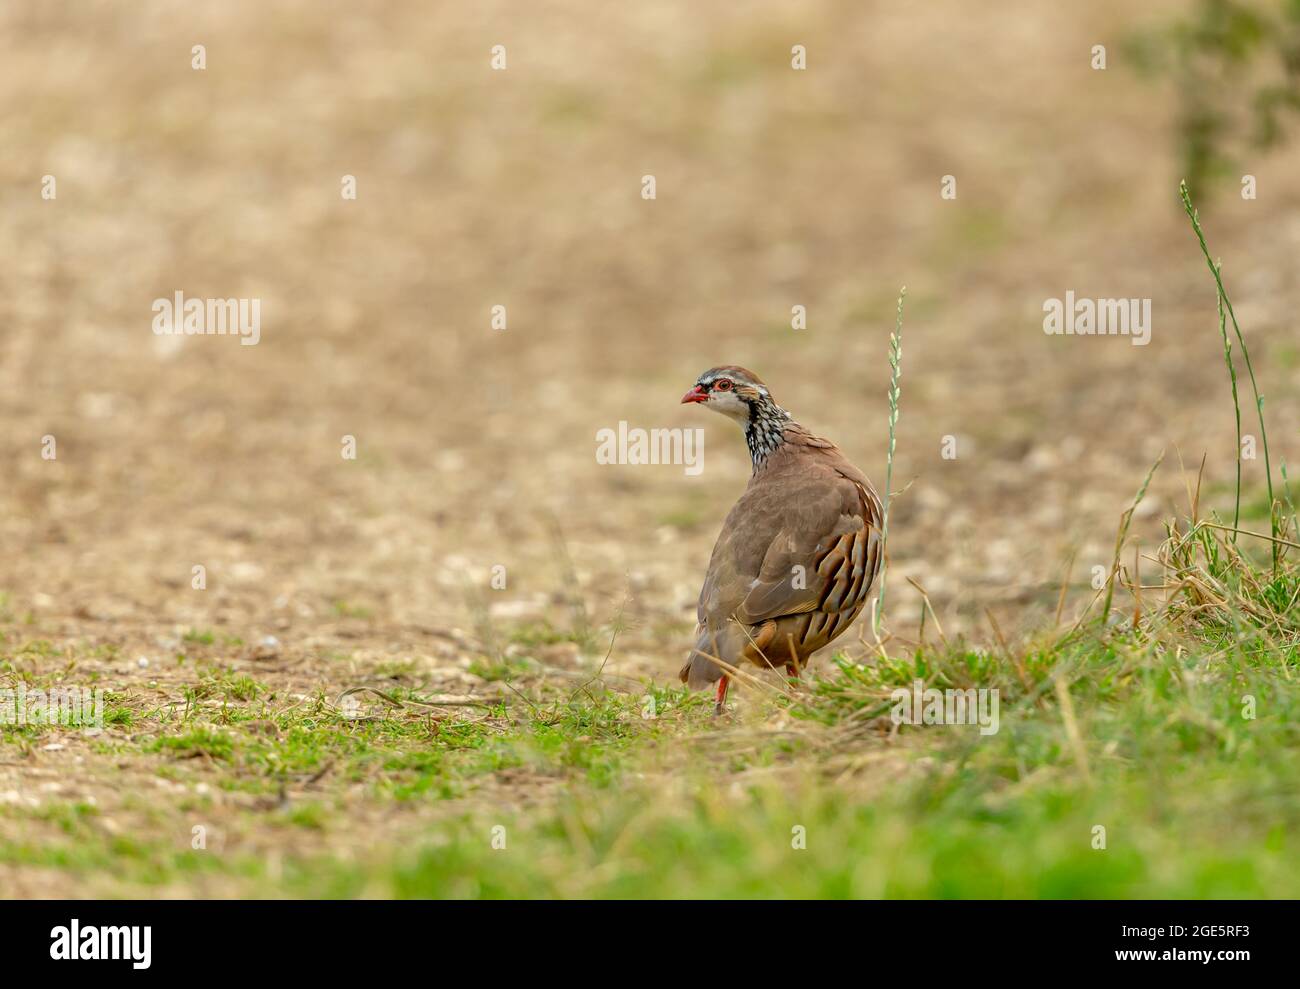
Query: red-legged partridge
x=794 y=563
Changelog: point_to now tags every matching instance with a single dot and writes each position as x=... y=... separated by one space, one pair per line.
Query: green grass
x=1196 y=798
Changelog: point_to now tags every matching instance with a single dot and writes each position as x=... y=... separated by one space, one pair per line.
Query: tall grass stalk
x=1236 y=403
x=1225 y=302
x=895 y=372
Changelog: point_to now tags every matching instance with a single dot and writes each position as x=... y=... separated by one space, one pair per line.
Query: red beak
x=696 y=394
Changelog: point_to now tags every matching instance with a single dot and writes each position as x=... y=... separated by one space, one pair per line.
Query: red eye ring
x=722 y=384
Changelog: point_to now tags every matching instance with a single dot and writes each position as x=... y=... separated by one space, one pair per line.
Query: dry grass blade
x=1125 y=521
x=450 y=701
x=1065 y=586
x=1072 y=733
x=929 y=607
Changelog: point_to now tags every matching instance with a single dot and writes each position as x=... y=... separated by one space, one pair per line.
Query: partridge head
x=795 y=560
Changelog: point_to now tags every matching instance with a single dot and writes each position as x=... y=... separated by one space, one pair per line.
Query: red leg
x=792 y=669
x=722 y=696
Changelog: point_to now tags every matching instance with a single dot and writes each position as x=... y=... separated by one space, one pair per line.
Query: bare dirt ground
x=476 y=446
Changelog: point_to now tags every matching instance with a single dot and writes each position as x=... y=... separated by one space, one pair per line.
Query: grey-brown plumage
x=794 y=563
